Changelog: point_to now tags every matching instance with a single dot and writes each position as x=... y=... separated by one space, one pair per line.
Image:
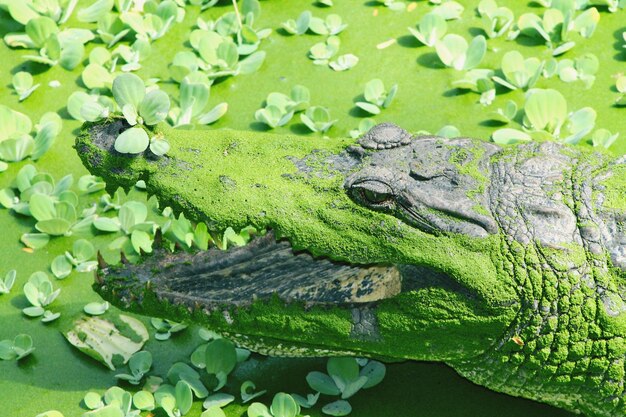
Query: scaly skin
x=510 y=260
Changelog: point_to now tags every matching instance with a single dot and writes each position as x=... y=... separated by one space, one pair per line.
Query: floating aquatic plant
x=53 y=46
x=280 y=108
x=322 y=52
x=604 y=138
x=40 y=294
x=16 y=349
x=80 y=258
x=139 y=364
x=431 y=28
x=556 y=23
x=17 y=139
x=344 y=62
x=317 y=119
x=519 y=72
x=23 y=84
x=479 y=81
x=345 y=377
x=582 y=68
x=165 y=328
x=329 y=26
x=546 y=117
x=283 y=405
x=298 y=26
x=376 y=96
x=194 y=96
x=496 y=21
x=454 y=51
x=7 y=283
x=449 y=9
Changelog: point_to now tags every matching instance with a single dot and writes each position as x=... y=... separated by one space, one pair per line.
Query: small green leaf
x=508 y=136
x=61 y=267
x=143 y=400
x=49 y=316
x=128 y=89
x=431 y=29
x=13 y=123
x=141 y=241
x=375 y=91
x=72 y=53
x=283 y=405
x=159 y=146
x=35 y=240
x=449 y=10
x=344 y=62
x=247 y=391
x=604 y=138
x=252 y=63
x=23 y=84
x=42 y=207
x=214 y=114
x=620 y=84
x=258 y=410
x=17 y=148
x=342 y=369
x=134 y=140
x=368 y=107
x=219 y=399
x=96 y=309
x=545 y=109
x=96 y=76
x=298 y=26
x=448 y=131
x=7 y=283
x=107 y=224
x=35 y=311
x=184 y=397
x=337 y=408
x=95 y=11
x=475 y=52
x=317 y=119
x=220 y=357
x=154 y=107
x=22 y=346
x=53 y=227
x=93 y=400
x=201 y=236
x=322 y=383
x=40 y=29
x=6 y=350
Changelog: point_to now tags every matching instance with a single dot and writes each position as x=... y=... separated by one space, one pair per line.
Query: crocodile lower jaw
x=262 y=268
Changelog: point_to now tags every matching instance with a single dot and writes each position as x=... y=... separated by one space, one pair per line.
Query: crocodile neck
x=562 y=335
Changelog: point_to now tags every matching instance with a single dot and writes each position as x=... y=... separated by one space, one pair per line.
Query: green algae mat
x=441 y=67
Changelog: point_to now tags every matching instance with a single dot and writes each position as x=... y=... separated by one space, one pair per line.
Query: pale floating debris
x=411 y=7
x=54 y=84
x=386 y=44
x=105 y=342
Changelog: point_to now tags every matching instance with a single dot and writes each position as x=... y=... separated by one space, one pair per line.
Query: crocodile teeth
x=263 y=268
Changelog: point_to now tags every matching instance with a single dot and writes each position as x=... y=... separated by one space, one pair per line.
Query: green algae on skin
x=517 y=296
x=238 y=178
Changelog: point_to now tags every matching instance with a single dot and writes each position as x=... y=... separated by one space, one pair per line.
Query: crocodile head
x=386 y=247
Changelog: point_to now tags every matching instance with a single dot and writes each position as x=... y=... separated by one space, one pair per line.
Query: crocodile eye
x=374 y=192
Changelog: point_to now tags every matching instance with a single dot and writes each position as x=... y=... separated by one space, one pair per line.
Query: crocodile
x=505 y=262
